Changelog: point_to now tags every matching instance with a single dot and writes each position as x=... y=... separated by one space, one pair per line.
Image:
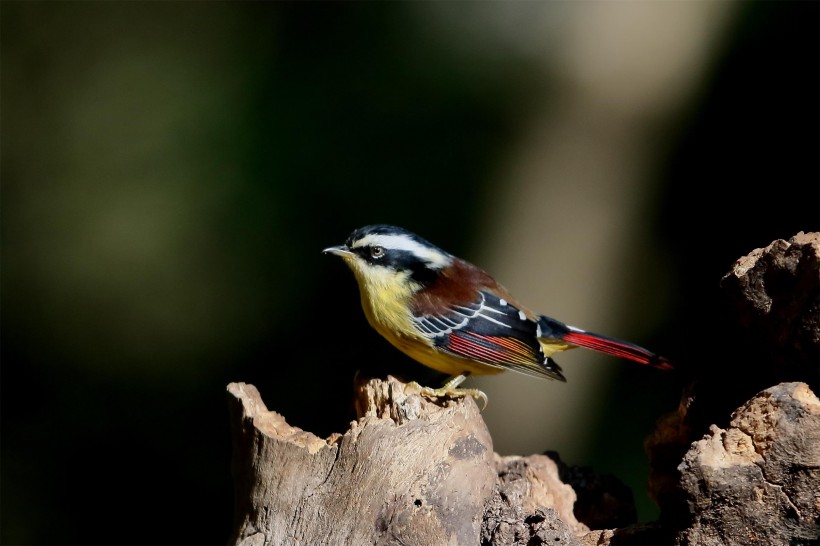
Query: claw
x=448 y=390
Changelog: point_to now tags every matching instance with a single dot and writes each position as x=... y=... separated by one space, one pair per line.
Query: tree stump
x=409 y=471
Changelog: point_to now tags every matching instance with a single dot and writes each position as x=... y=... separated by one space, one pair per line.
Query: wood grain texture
x=407 y=472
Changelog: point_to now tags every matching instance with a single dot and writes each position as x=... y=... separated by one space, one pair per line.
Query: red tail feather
x=616 y=347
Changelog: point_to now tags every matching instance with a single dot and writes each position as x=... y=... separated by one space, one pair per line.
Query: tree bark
x=407 y=472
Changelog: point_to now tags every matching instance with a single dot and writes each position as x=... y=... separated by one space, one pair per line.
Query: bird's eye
x=376 y=252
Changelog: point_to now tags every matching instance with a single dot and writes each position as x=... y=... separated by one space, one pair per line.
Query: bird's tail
x=551 y=328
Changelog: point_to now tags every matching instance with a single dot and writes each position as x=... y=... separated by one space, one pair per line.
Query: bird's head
x=381 y=255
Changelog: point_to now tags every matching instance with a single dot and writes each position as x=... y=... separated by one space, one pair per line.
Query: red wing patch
x=491 y=349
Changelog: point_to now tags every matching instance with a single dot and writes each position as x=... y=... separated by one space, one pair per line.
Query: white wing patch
x=439 y=326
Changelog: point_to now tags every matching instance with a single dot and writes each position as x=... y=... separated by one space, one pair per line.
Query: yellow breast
x=386 y=296
x=385 y=300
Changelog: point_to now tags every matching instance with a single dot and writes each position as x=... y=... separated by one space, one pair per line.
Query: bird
x=452 y=316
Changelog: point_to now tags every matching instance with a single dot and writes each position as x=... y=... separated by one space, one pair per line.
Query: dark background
x=170 y=172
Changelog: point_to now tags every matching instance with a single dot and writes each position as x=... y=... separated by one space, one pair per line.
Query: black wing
x=492 y=331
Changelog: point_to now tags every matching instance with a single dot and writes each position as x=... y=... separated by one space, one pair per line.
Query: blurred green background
x=172 y=170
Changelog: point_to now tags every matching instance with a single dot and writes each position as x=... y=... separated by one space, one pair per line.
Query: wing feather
x=492 y=331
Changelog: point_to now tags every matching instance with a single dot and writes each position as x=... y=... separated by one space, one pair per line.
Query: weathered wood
x=773 y=295
x=407 y=472
x=758 y=481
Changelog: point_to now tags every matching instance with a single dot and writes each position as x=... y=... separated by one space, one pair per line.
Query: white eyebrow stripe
x=434 y=258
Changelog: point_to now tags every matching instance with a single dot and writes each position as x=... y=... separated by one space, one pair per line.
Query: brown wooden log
x=409 y=471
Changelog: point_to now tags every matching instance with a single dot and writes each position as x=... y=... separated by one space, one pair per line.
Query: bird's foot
x=448 y=390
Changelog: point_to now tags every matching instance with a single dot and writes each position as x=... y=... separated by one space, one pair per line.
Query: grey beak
x=340 y=250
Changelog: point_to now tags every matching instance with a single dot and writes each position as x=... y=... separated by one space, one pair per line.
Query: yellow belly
x=391 y=318
x=431 y=357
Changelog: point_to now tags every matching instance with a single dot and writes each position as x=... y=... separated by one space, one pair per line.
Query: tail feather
x=601 y=343
x=553 y=370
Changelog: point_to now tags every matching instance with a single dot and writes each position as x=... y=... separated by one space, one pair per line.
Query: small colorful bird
x=452 y=316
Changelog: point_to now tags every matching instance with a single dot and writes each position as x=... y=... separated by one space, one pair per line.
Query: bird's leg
x=450 y=389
